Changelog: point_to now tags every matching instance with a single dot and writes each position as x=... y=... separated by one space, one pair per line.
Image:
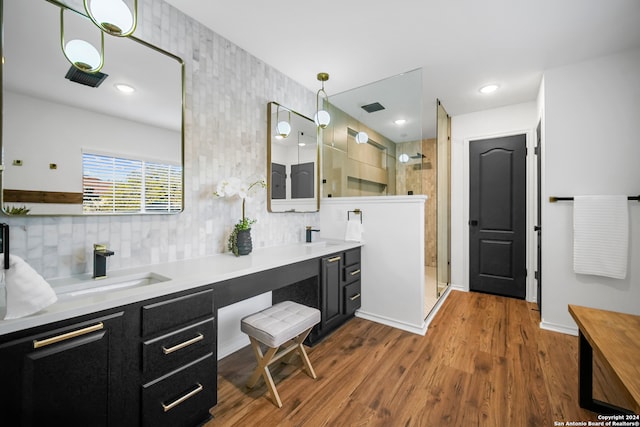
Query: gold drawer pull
x=179 y=400
x=355 y=297
x=334 y=259
x=68 y=335
x=353 y=273
x=177 y=347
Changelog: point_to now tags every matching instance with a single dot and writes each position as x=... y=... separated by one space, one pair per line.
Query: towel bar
x=357 y=212
x=554 y=199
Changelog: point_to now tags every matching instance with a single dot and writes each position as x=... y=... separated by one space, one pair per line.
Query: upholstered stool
x=274 y=326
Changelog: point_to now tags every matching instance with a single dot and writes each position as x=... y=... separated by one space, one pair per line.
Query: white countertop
x=183 y=275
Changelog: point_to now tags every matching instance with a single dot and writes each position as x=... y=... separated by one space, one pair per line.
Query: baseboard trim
x=458 y=288
x=420 y=330
x=555 y=327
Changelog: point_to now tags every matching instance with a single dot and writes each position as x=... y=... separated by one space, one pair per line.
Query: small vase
x=244 y=242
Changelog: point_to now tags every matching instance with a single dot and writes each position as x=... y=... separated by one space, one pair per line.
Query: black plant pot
x=244 y=242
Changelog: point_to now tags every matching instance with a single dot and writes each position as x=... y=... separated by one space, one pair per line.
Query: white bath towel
x=601 y=235
x=354 y=230
x=27 y=291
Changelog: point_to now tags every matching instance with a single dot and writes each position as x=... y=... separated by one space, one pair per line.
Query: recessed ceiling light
x=124 y=88
x=489 y=88
x=400 y=121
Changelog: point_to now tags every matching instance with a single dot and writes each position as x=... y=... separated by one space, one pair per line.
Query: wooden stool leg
x=263 y=369
x=303 y=353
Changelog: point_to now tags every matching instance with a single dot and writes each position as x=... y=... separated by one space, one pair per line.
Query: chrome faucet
x=100 y=254
x=308 y=236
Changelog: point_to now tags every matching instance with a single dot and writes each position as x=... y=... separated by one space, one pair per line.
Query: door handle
x=473 y=223
x=537 y=228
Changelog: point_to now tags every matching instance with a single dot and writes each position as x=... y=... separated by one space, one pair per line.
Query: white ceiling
x=460 y=45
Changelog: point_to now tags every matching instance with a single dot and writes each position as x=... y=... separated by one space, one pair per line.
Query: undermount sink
x=109 y=284
x=322 y=243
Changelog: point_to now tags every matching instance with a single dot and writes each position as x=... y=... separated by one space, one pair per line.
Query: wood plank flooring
x=483 y=362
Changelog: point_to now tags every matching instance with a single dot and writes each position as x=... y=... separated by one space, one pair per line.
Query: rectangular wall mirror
x=292 y=161
x=69 y=148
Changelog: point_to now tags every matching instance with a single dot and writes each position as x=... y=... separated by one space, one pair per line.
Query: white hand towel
x=354 y=230
x=27 y=291
x=601 y=235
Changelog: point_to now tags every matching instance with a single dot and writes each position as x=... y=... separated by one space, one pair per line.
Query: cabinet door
x=68 y=375
x=331 y=295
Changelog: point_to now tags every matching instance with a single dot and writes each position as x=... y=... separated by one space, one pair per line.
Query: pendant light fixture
x=322 y=118
x=113 y=16
x=283 y=127
x=80 y=53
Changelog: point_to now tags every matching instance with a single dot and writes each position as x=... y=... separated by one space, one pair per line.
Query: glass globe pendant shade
x=362 y=138
x=283 y=128
x=83 y=56
x=112 y=16
x=403 y=158
x=322 y=119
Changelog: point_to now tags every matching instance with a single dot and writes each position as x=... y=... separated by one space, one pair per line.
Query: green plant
x=13 y=210
x=243 y=224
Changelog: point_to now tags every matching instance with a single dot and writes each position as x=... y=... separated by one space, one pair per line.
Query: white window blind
x=163 y=188
x=119 y=185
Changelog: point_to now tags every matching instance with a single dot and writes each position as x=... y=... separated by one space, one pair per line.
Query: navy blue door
x=497 y=216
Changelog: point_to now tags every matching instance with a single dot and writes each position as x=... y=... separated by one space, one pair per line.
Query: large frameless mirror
x=74 y=146
x=292 y=161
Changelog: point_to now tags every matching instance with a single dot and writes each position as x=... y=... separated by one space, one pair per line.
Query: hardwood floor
x=483 y=362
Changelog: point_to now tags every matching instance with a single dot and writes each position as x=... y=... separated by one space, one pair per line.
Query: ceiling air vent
x=373 y=107
x=88 y=79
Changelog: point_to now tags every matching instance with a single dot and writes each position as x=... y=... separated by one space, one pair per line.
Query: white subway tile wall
x=227 y=91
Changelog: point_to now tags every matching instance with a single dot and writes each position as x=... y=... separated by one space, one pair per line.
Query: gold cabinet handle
x=334 y=259
x=187 y=343
x=67 y=336
x=353 y=273
x=179 y=400
x=355 y=297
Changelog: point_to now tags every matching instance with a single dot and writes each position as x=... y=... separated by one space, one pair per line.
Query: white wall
x=392 y=255
x=511 y=120
x=591 y=146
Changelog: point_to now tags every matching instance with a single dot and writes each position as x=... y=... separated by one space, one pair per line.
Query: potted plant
x=239 y=241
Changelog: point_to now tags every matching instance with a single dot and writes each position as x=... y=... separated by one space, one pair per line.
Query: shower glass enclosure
x=398 y=158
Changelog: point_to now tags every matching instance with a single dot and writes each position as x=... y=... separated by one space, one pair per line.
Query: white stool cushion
x=278 y=324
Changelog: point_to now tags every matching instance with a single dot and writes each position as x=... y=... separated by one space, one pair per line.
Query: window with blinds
x=119 y=185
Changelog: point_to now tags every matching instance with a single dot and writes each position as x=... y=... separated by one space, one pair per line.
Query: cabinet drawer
x=169 y=352
x=352 y=298
x=352 y=256
x=352 y=273
x=176 y=312
x=182 y=398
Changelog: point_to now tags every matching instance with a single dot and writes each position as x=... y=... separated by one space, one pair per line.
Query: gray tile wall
x=227 y=91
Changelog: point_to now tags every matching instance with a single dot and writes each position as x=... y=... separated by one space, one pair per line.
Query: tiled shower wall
x=227 y=91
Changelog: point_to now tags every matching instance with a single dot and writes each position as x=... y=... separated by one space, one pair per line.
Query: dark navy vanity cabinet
x=334 y=290
x=69 y=372
x=154 y=362
x=151 y=363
